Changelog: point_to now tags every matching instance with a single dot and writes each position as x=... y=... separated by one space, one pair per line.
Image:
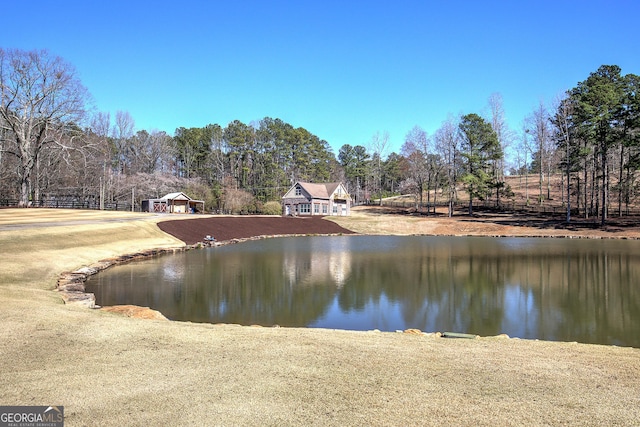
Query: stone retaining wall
x=71 y=285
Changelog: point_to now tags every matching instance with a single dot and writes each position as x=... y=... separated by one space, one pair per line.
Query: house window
x=298 y=191
x=305 y=208
x=335 y=209
x=325 y=209
x=316 y=209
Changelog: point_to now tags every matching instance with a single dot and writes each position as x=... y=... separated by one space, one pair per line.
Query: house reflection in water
x=324 y=264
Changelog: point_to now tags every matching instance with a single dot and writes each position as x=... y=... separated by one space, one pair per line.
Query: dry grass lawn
x=107 y=369
x=381 y=220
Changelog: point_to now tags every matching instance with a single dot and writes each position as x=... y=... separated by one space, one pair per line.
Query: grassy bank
x=111 y=370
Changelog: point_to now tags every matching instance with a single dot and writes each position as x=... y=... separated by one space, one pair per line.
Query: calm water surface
x=551 y=289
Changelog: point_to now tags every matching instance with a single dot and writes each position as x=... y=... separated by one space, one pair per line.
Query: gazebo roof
x=176 y=196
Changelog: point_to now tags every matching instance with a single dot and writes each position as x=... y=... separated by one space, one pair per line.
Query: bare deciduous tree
x=540 y=128
x=448 y=145
x=563 y=136
x=378 y=147
x=505 y=135
x=146 y=152
x=415 y=150
x=40 y=96
x=122 y=132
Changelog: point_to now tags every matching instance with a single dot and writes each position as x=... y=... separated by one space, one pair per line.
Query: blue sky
x=343 y=70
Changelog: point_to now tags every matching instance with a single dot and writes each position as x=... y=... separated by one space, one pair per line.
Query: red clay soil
x=223 y=228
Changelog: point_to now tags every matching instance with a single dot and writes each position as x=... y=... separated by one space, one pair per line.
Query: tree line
x=52 y=147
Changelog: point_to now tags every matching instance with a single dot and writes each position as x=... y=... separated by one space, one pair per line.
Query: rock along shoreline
x=71 y=284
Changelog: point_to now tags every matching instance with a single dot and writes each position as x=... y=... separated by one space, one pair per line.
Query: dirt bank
x=223 y=228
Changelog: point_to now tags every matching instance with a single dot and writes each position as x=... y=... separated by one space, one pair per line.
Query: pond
x=534 y=288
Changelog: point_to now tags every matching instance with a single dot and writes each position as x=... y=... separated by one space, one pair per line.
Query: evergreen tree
x=480 y=150
x=598 y=101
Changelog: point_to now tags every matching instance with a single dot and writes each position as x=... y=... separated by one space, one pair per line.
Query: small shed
x=173 y=203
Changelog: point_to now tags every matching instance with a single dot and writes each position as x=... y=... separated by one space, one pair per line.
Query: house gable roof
x=317 y=191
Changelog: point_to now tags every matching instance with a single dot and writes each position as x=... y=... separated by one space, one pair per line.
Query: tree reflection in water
x=554 y=289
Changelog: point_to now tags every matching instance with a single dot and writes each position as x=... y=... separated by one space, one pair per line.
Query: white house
x=306 y=198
